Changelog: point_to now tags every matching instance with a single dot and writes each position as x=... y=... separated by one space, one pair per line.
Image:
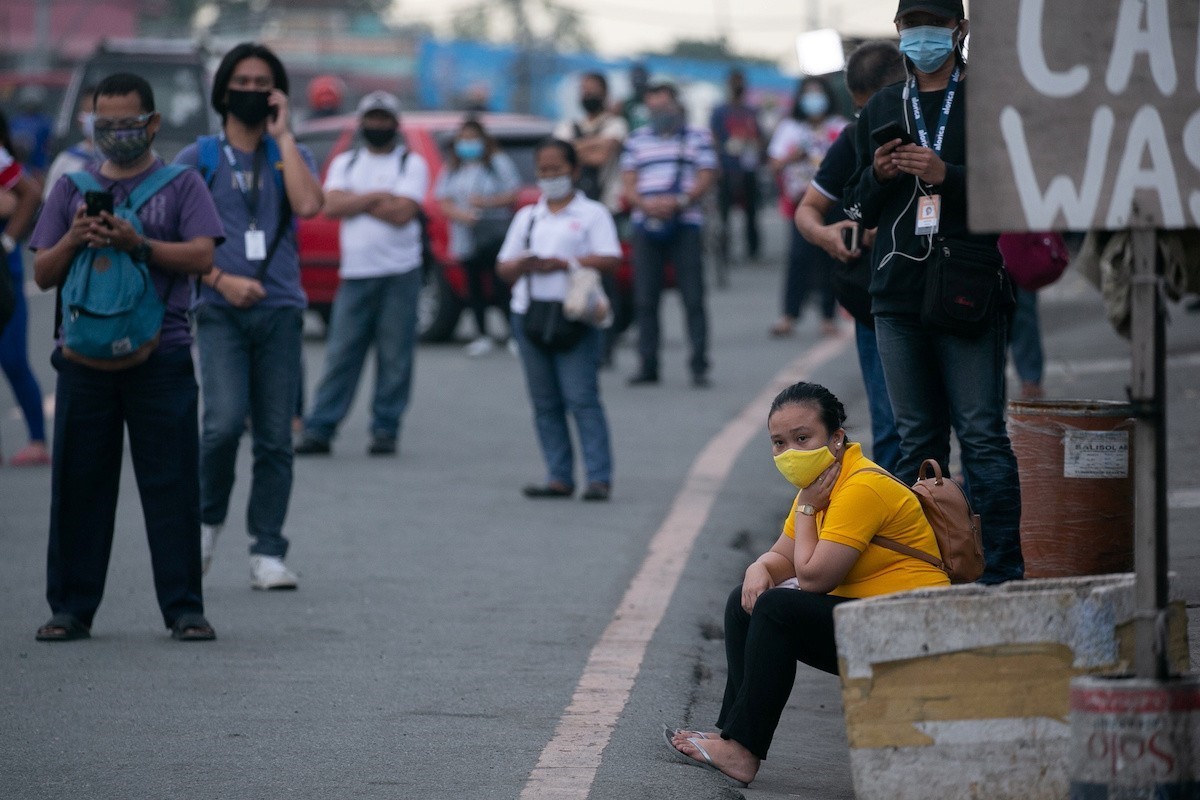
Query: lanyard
x=249 y=193
x=919 y=120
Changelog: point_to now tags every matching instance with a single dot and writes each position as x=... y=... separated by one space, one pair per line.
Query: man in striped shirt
x=666 y=168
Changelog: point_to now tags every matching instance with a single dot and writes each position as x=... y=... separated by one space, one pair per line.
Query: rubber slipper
x=63 y=627
x=548 y=490
x=192 y=628
x=707 y=763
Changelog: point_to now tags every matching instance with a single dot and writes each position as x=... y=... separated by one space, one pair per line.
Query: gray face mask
x=558 y=188
x=665 y=121
x=123 y=146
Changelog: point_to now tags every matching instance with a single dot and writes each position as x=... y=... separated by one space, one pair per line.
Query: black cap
x=950 y=9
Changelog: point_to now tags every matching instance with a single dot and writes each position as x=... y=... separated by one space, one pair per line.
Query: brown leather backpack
x=955 y=526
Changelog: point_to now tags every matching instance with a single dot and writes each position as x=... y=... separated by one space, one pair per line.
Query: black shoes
x=382 y=445
x=644 y=378
x=548 y=490
x=700 y=380
x=596 y=491
x=311 y=446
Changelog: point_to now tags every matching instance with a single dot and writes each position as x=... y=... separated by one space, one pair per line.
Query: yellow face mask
x=801 y=467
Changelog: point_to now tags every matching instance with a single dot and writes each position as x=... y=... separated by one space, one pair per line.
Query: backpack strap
x=85 y=182
x=892 y=544
x=208 y=157
x=153 y=184
x=275 y=159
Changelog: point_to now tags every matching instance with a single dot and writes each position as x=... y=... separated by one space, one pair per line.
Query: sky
x=761 y=28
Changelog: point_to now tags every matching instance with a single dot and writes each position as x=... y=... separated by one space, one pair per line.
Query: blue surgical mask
x=469 y=149
x=814 y=104
x=928 y=46
x=554 y=189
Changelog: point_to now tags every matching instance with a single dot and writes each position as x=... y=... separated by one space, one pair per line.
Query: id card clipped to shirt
x=929 y=214
x=256 y=245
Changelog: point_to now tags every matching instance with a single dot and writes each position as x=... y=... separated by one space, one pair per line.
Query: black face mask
x=250 y=108
x=592 y=105
x=379 y=137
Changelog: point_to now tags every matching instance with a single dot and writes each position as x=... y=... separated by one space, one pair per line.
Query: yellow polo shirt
x=863 y=505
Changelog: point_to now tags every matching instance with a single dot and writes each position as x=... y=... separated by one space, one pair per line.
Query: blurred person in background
x=249 y=310
x=376 y=191
x=597 y=135
x=31 y=129
x=325 y=96
x=667 y=168
x=477 y=190
x=796 y=151
x=547 y=245
x=634 y=109
x=19 y=197
x=81 y=154
x=739 y=142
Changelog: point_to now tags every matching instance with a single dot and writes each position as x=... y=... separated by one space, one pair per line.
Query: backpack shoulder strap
x=274 y=159
x=85 y=182
x=153 y=184
x=892 y=544
x=208 y=156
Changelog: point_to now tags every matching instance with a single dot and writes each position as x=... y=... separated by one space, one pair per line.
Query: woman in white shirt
x=546 y=243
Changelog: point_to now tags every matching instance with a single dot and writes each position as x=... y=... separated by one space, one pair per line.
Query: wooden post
x=1147 y=393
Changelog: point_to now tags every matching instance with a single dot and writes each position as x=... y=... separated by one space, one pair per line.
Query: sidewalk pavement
x=1084 y=361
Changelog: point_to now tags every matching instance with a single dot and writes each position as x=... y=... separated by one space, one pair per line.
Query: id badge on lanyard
x=929 y=207
x=255 y=240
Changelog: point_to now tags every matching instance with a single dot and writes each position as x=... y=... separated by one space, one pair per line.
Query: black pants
x=650 y=260
x=739 y=188
x=479 y=265
x=761 y=651
x=157 y=402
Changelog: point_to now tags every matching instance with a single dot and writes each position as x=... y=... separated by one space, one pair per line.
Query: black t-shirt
x=901 y=257
x=851 y=281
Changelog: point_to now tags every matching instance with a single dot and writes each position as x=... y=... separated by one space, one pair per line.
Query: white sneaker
x=208 y=543
x=268 y=572
x=480 y=347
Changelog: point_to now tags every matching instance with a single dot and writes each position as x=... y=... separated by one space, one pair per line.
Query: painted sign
x=1084 y=114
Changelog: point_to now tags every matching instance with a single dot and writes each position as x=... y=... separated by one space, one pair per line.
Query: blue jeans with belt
x=938 y=381
x=380 y=311
x=249 y=369
x=562 y=382
x=156 y=401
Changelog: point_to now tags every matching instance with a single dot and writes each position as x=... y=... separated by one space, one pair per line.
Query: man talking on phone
x=249 y=310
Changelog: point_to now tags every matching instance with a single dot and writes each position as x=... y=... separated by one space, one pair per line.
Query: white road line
x=568 y=764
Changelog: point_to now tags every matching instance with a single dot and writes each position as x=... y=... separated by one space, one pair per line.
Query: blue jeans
x=14 y=355
x=380 y=311
x=156 y=400
x=249 y=368
x=567 y=381
x=885 y=447
x=649 y=265
x=1026 y=338
x=937 y=381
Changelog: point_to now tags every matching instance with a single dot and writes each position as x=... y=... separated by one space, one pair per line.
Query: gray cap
x=380 y=101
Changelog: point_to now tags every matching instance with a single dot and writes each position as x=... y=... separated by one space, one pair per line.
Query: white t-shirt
x=583 y=228
x=815 y=140
x=371 y=247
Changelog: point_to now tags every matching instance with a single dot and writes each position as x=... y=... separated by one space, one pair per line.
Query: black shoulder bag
x=545 y=325
x=965 y=287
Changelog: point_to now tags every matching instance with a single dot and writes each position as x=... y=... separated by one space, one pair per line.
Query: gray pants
x=650 y=259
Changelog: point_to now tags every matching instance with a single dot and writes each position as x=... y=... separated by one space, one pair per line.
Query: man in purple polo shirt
x=156 y=399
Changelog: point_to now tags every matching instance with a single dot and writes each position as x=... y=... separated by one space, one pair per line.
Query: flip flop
x=707 y=763
x=192 y=628
x=63 y=627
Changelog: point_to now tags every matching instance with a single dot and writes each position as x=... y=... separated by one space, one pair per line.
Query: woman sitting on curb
x=826 y=549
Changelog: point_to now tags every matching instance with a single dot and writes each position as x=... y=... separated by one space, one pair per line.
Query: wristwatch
x=8 y=243
x=808 y=510
x=141 y=251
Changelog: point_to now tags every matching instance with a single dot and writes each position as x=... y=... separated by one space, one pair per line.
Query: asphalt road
x=443 y=622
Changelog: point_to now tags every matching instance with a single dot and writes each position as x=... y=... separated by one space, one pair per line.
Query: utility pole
x=523 y=68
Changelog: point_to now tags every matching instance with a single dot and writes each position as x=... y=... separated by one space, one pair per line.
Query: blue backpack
x=111 y=312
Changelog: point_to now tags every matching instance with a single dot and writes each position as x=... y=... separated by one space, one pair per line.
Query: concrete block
x=964 y=691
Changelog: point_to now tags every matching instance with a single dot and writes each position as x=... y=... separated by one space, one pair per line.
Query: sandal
x=63 y=627
x=192 y=628
x=707 y=763
x=597 y=490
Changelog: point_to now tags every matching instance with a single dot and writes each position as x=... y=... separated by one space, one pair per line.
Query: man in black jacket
x=912 y=187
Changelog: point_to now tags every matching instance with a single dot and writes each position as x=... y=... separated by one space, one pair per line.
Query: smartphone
x=889 y=131
x=97 y=202
x=850 y=237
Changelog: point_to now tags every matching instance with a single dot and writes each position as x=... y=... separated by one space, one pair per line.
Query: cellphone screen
x=889 y=131
x=97 y=202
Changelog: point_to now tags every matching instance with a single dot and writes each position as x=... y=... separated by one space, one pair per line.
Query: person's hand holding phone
x=109 y=230
x=81 y=226
x=277 y=119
